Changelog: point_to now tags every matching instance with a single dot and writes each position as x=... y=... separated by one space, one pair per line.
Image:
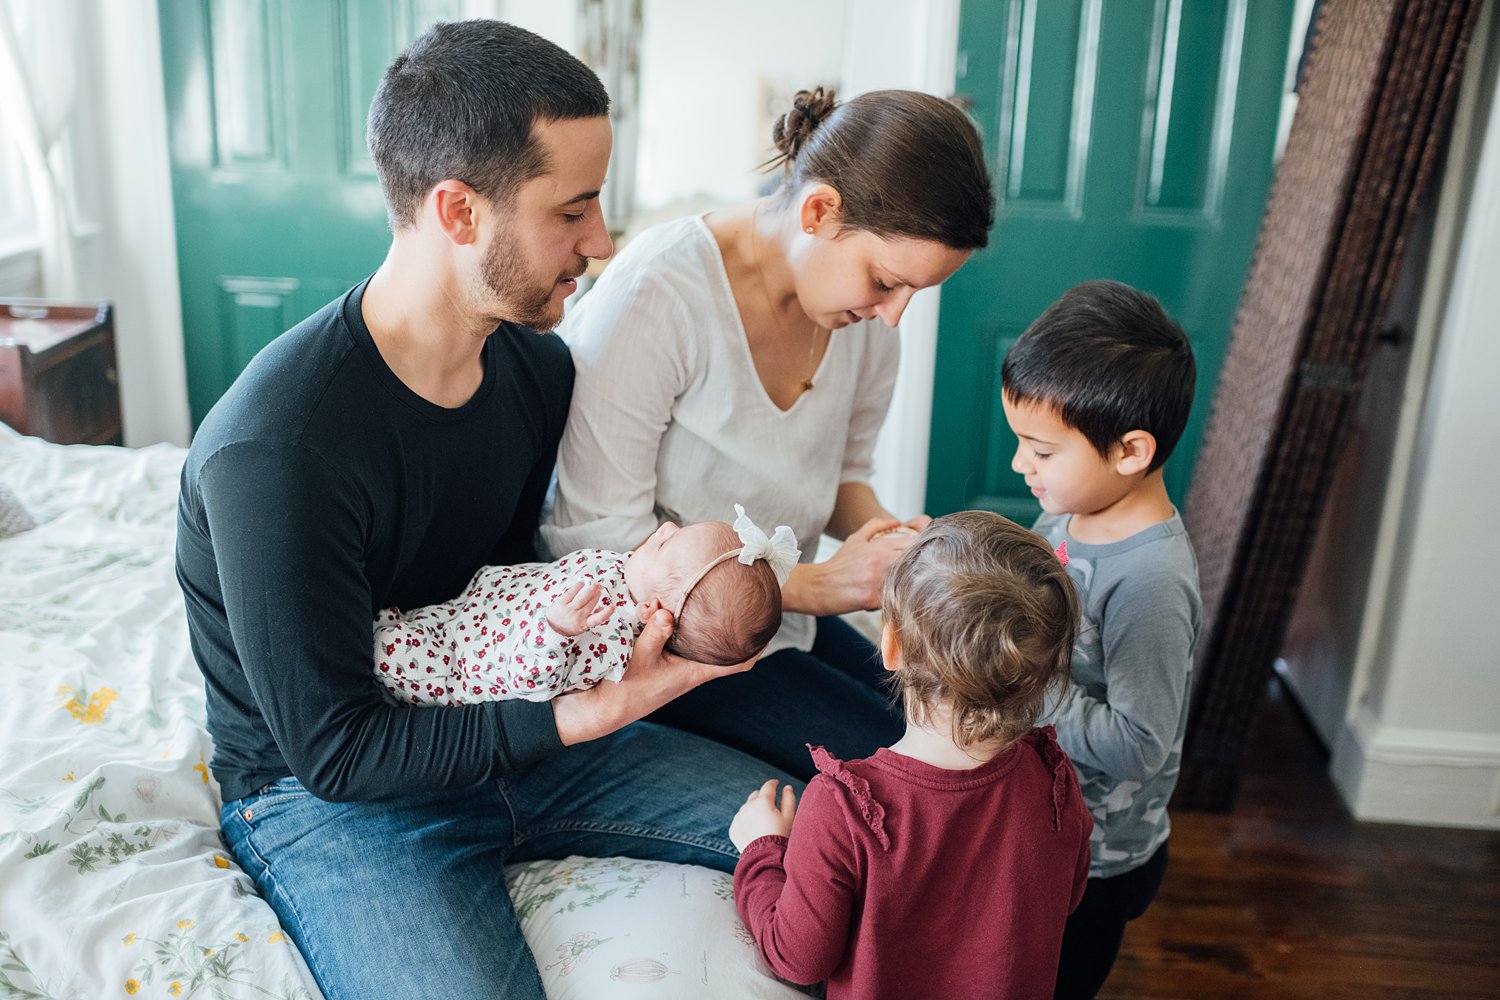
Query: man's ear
x=890 y=648
x=1134 y=452
x=822 y=207
x=457 y=209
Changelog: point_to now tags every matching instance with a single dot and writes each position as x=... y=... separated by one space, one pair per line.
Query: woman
x=747 y=356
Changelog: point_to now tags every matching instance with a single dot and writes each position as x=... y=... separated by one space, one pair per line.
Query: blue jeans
x=406 y=897
x=832 y=696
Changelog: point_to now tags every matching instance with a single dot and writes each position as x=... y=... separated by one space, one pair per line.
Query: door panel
x=1128 y=140
x=278 y=206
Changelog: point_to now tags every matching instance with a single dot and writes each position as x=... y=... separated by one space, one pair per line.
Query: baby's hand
x=576 y=611
x=761 y=817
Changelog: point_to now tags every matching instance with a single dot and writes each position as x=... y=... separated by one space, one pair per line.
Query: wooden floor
x=1289 y=897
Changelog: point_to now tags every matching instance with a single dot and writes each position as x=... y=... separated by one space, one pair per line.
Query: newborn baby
x=536 y=630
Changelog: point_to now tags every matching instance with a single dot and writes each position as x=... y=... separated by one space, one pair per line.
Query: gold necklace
x=765 y=291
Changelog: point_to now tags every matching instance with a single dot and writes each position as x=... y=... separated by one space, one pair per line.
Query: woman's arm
x=851 y=579
x=856 y=504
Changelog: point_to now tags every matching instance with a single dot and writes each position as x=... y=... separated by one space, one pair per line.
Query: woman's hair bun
x=810 y=108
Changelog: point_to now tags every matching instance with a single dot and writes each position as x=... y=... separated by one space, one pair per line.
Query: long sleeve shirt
x=321 y=489
x=1123 y=715
x=903 y=880
x=671 y=422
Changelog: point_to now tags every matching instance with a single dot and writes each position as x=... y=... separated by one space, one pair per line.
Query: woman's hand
x=851 y=579
x=760 y=816
x=653 y=678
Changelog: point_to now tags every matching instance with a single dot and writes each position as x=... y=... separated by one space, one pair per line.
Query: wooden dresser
x=57 y=371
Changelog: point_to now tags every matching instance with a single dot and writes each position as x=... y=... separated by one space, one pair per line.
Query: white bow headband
x=779 y=549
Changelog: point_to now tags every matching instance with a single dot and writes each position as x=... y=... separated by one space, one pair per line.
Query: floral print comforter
x=113 y=881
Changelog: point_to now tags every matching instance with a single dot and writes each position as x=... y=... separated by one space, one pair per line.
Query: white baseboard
x=1426 y=777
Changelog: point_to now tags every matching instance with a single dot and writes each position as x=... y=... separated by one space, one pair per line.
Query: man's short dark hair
x=1110 y=360
x=460 y=103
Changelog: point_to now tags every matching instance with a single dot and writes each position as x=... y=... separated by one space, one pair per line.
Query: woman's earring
x=808 y=230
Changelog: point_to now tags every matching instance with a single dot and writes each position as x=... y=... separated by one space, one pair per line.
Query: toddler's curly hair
x=985 y=616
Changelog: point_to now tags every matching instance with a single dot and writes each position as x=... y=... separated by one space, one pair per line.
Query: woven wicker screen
x=1376 y=96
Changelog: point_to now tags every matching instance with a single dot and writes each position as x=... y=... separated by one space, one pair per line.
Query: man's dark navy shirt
x=321 y=489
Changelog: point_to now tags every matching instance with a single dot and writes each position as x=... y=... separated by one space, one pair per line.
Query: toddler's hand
x=761 y=817
x=579 y=609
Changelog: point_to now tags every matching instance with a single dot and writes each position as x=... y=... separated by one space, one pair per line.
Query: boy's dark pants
x=1092 y=938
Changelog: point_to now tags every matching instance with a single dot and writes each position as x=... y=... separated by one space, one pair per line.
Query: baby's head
x=1104 y=368
x=729 y=613
x=980 y=622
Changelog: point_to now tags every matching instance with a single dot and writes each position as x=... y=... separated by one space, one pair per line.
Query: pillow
x=14 y=518
x=607 y=927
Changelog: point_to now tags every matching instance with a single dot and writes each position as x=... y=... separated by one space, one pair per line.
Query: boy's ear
x=1135 y=452
x=890 y=648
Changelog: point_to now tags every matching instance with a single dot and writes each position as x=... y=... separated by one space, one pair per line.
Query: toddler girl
x=536 y=630
x=947 y=864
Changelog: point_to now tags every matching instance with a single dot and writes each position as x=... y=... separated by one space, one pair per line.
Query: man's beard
x=527 y=301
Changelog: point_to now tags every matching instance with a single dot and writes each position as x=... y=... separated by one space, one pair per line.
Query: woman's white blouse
x=670 y=421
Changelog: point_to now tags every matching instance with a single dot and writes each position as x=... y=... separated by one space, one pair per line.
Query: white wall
x=1421 y=736
x=912 y=45
x=710 y=76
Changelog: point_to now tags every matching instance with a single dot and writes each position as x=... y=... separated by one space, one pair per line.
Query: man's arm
x=288 y=537
x=653 y=678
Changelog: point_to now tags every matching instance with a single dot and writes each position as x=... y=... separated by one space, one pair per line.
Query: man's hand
x=653 y=678
x=579 y=609
x=760 y=816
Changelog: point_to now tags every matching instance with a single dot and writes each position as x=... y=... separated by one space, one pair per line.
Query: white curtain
x=38 y=89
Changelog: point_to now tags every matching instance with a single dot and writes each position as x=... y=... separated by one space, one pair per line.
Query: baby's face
x=660 y=565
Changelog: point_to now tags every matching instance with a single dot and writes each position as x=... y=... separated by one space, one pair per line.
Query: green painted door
x=1128 y=139
x=277 y=203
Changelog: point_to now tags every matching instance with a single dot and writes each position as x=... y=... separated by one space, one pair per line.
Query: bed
x=113 y=880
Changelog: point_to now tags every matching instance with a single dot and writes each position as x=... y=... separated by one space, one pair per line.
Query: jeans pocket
x=264 y=801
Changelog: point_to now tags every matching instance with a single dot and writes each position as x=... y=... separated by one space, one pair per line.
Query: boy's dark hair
x=1110 y=360
x=460 y=103
x=985 y=615
x=905 y=163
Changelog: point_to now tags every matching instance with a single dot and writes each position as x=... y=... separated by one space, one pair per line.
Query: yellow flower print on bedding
x=179 y=962
x=92 y=711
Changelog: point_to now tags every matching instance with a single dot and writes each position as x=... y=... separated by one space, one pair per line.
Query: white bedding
x=113 y=880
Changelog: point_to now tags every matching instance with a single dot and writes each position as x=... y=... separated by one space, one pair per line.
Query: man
x=376 y=455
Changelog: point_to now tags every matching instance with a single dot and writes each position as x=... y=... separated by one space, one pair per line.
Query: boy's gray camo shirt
x=1124 y=713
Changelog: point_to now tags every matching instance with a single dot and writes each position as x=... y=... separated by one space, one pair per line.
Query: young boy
x=1098 y=390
